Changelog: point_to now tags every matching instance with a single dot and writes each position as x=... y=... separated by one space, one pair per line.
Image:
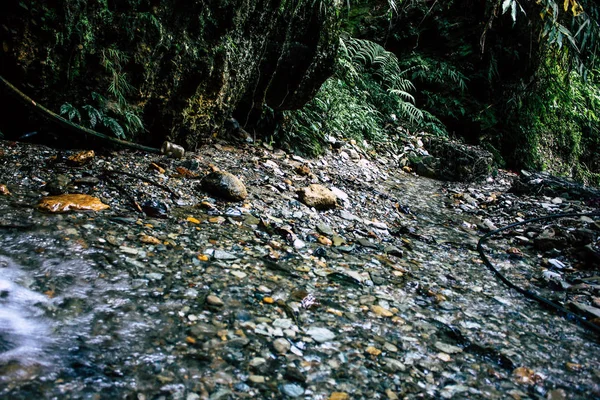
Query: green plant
x=123 y=124
x=368 y=90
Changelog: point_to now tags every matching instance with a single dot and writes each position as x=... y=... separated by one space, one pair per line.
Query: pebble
x=154 y=276
x=257 y=361
x=340 y=194
x=292 y=390
x=392 y=365
x=256 y=379
x=223 y=255
x=447 y=348
x=320 y=335
x=325 y=229
x=349 y=216
x=214 y=301
x=380 y=311
x=281 y=345
x=339 y=396
x=374 y=351
x=238 y=274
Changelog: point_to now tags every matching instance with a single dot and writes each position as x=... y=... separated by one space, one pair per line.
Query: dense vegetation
x=519 y=77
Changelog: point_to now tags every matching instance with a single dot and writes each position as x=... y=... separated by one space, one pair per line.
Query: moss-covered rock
x=182 y=67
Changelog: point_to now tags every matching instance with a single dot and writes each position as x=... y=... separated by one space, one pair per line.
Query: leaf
x=506 y=5
x=114 y=126
x=64 y=109
x=94 y=115
x=68 y=202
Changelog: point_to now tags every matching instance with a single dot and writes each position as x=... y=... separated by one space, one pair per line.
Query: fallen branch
x=46 y=113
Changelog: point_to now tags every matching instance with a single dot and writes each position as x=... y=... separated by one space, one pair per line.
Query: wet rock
x=154 y=276
x=281 y=346
x=222 y=255
x=224 y=185
x=320 y=335
x=214 y=301
x=339 y=396
x=340 y=194
x=447 y=348
x=155 y=209
x=292 y=390
x=426 y=167
x=392 y=365
x=589 y=311
x=294 y=374
x=317 y=196
x=349 y=216
x=380 y=311
x=58 y=185
x=394 y=251
x=256 y=379
x=325 y=229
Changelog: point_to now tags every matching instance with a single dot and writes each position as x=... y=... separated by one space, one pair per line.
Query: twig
x=46 y=113
x=124 y=192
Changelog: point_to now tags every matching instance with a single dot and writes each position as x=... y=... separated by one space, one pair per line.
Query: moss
x=186 y=69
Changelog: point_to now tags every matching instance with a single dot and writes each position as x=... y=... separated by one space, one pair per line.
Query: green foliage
x=106 y=115
x=559 y=124
x=368 y=90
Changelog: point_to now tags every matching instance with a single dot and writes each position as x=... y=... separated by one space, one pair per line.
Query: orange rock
x=325 y=241
x=4 y=190
x=268 y=300
x=82 y=157
x=192 y=220
x=339 y=396
x=380 y=311
x=374 y=351
x=526 y=376
x=149 y=239
x=71 y=202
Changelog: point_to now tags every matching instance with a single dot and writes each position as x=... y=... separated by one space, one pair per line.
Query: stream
x=383 y=297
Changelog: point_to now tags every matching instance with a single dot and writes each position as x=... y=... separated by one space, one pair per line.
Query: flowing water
x=86 y=311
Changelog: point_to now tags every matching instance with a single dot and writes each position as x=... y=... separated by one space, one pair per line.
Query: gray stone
x=154 y=276
x=392 y=365
x=292 y=390
x=320 y=335
x=325 y=229
x=447 y=348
